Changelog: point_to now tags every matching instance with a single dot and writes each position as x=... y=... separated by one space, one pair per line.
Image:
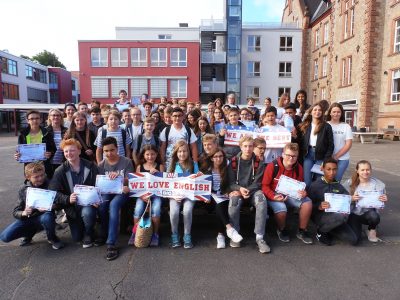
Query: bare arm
x=195 y=154
x=99 y=154
x=344 y=150
x=163 y=147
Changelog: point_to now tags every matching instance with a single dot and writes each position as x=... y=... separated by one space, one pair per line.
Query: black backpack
x=188 y=129
x=140 y=140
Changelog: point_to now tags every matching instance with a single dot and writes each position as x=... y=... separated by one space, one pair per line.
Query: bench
x=367 y=137
x=392 y=134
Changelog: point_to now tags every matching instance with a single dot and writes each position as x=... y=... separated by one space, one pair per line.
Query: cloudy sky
x=29 y=26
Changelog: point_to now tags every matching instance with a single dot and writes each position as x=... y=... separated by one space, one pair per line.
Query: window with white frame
x=315 y=77
x=397 y=37
x=323 y=93
x=346 y=71
x=316 y=39
x=254 y=92
x=314 y=95
x=158 y=57
x=119 y=57
x=138 y=57
x=395 y=97
x=117 y=85
x=324 y=65
x=253 y=69
x=253 y=43
x=99 y=57
x=139 y=86
x=283 y=90
x=178 y=88
x=285 y=69
x=286 y=43
x=348 y=18
x=326 y=33
x=178 y=57
x=158 y=87
x=99 y=88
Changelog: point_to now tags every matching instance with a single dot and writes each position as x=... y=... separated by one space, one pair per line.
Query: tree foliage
x=48 y=58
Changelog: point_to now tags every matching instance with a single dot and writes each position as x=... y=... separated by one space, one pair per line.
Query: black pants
x=370 y=218
x=222 y=212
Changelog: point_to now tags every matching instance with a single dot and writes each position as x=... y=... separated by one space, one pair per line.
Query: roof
x=323 y=7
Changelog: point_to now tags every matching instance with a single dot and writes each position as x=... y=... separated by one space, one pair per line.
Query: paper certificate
x=339 y=203
x=121 y=107
x=370 y=199
x=87 y=195
x=109 y=186
x=290 y=187
x=40 y=199
x=316 y=168
x=31 y=152
x=218 y=198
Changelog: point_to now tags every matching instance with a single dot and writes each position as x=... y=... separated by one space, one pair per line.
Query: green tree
x=47 y=58
x=25 y=57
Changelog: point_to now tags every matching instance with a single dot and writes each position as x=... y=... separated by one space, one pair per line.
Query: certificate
x=121 y=107
x=87 y=195
x=31 y=152
x=135 y=101
x=339 y=203
x=39 y=198
x=218 y=198
x=218 y=126
x=290 y=187
x=370 y=199
x=107 y=185
x=317 y=169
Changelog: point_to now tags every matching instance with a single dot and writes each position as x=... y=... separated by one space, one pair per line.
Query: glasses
x=59 y=116
x=33 y=119
x=217 y=112
x=245 y=115
x=290 y=156
x=262 y=148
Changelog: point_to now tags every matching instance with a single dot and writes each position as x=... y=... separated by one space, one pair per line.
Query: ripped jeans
x=259 y=201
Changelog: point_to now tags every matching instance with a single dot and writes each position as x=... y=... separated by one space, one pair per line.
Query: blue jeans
x=279 y=206
x=83 y=224
x=309 y=161
x=155 y=207
x=109 y=216
x=30 y=226
x=342 y=167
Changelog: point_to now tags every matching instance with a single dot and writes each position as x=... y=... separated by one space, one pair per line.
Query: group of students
x=171 y=137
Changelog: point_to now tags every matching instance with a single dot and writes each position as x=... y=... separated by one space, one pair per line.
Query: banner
x=235 y=133
x=194 y=187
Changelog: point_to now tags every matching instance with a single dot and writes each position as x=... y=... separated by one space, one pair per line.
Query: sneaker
x=112 y=253
x=155 y=240
x=372 y=236
x=220 y=241
x=175 y=243
x=324 y=238
x=132 y=239
x=187 y=241
x=87 y=242
x=263 y=246
x=304 y=236
x=25 y=242
x=99 y=242
x=234 y=235
x=56 y=245
x=234 y=245
x=283 y=235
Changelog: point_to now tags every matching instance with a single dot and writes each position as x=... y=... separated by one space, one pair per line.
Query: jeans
x=30 y=226
x=109 y=216
x=155 y=207
x=174 y=207
x=259 y=201
x=83 y=224
x=309 y=161
x=370 y=218
x=221 y=210
x=279 y=206
x=342 y=167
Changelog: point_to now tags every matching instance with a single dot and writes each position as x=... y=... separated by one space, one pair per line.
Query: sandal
x=112 y=253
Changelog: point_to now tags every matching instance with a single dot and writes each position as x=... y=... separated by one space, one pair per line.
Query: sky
x=31 y=26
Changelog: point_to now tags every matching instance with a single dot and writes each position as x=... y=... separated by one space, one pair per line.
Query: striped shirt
x=118 y=135
x=58 y=156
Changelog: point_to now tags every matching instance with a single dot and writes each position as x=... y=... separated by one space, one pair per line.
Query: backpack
x=276 y=168
x=188 y=129
x=123 y=133
x=140 y=139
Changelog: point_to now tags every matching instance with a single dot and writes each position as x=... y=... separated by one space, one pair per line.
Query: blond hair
x=34 y=167
x=244 y=139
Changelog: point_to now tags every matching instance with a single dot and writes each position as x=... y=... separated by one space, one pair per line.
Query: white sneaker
x=263 y=246
x=234 y=235
x=372 y=236
x=220 y=241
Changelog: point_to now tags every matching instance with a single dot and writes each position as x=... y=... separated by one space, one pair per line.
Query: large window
x=138 y=57
x=158 y=87
x=10 y=91
x=178 y=88
x=119 y=57
x=253 y=69
x=254 y=92
x=285 y=69
x=178 y=57
x=395 y=95
x=396 y=48
x=323 y=93
x=326 y=33
x=158 y=57
x=348 y=18
x=53 y=81
x=36 y=95
x=253 y=43
x=99 y=57
x=315 y=76
x=283 y=90
x=286 y=43
x=324 y=65
x=139 y=87
x=35 y=74
x=99 y=88
x=117 y=85
x=316 y=39
x=346 y=71
x=8 y=66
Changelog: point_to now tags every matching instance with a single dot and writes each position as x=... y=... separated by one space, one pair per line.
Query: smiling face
x=80 y=123
x=316 y=112
x=71 y=153
x=301 y=97
x=202 y=125
x=269 y=118
x=183 y=153
x=150 y=156
x=217 y=159
x=364 y=171
x=233 y=118
x=55 y=118
x=336 y=113
x=34 y=121
x=177 y=118
x=69 y=110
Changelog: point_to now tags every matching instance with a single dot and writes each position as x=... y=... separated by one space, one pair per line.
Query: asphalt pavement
x=291 y=271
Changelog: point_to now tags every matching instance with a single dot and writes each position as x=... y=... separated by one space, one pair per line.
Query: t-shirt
x=145 y=141
x=58 y=156
x=313 y=137
x=133 y=130
x=341 y=133
x=273 y=153
x=34 y=138
x=123 y=167
x=118 y=135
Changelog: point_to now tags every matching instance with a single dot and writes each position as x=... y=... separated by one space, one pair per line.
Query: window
x=282 y=90
x=158 y=87
x=348 y=18
x=99 y=57
x=35 y=74
x=10 y=91
x=326 y=33
x=395 y=97
x=53 y=81
x=138 y=57
x=36 y=95
x=73 y=85
x=178 y=57
x=158 y=57
x=316 y=39
x=178 y=88
x=324 y=65
x=117 y=85
x=285 y=69
x=323 y=93
x=253 y=43
x=8 y=66
x=314 y=96
x=397 y=37
x=346 y=71
x=254 y=92
x=164 y=36
x=99 y=88
x=253 y=69
x=119 y=57
x=54 y=98
x=315 y=77
x=139 y=87
x=286 y=43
